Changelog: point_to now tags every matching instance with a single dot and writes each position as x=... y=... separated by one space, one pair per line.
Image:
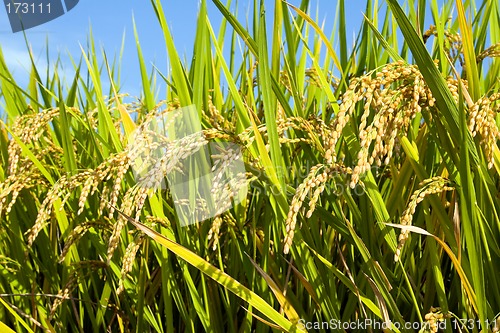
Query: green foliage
x=372 y=195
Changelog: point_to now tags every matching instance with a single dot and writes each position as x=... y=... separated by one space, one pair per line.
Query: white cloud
x=18 y=60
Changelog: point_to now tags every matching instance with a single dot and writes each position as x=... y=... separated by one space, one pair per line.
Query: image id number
x=27 y=8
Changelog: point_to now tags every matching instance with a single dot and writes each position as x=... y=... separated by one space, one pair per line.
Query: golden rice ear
x=213 y=233
x=429 y=186
x=128 y=260
x=317 y=179
x=482 y=122
x=76 y=234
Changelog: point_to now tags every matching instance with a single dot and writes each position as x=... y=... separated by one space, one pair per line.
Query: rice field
x=366 y=197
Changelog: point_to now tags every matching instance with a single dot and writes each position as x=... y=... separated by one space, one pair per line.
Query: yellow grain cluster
x=429 y=186
x=315 y=182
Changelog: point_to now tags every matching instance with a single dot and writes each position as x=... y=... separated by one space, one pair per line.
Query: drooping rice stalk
x=406 y=135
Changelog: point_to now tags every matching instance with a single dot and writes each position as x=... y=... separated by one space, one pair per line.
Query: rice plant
x=372 y=176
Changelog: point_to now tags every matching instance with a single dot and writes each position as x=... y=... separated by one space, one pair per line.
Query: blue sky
x=110 y=19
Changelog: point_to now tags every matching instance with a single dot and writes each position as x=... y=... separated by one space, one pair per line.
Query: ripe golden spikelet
x=482 y=121
x=387 y=113
x=104 y=200
x=132 y=201
x=44 y=212
x=391 y=110
x=119 y=167
x=154 y=220
x=213 y=233
x=87 y=187
x=283 y=125
x=80 y=271
x=297 y=201
x=312 y=129
x=77 y=233
x=23 y=174
x=14 y=184
x=490 y=52
x=318 y=176
x=432 y=318
x=222 y=187
x=140 y=201
x=429 y=186
x=341 y=119
x=114 y=239
x=215 y=134
x=452 y=42
x=319 y=128
x=216 y=119
x=28 y=128
x=285 y=80
x=63 y=294
x=128 y=260
x=313 y=77
x=90 y=180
